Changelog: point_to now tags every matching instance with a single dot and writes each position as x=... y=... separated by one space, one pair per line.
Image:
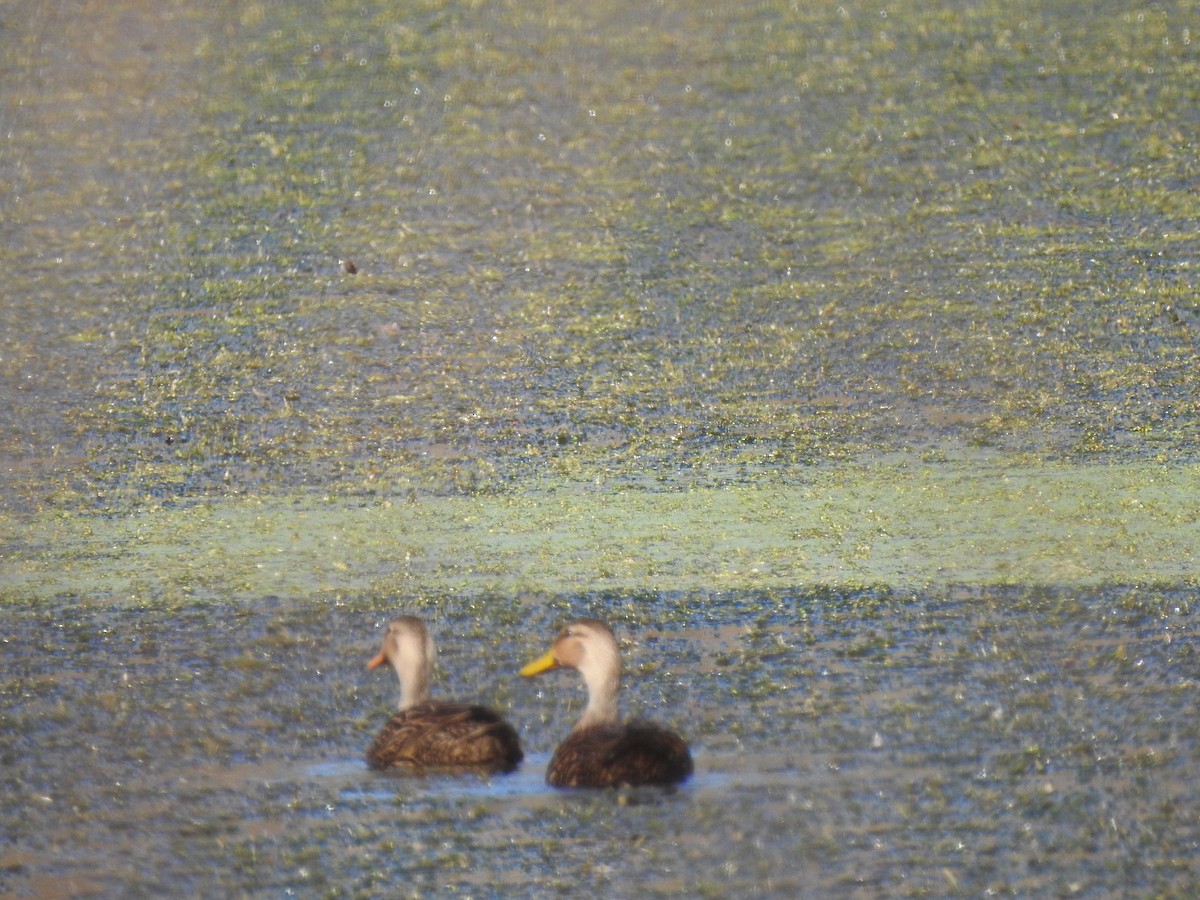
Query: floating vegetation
x=848 y=355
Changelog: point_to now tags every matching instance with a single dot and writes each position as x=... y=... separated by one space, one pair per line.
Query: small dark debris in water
x=349 y=266
x=1185 y=317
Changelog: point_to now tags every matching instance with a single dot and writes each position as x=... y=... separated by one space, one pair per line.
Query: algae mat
x=899 y=524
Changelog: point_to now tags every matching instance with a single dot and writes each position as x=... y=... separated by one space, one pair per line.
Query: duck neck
x=414 y=688
x=602 y=699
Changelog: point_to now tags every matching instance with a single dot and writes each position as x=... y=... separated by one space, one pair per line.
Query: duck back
x=620 y=754
x=438 y=734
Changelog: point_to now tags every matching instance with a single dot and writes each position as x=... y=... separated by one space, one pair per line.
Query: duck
x=601 y=751
x=433 y=733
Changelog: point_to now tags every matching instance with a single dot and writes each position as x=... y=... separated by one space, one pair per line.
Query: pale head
x=587 y=645
x=408 y=646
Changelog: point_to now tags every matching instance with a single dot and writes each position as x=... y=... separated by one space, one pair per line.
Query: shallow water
x=843 y=357
x=1002 y=740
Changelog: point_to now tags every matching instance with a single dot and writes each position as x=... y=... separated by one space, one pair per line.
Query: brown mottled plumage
x=601 y=750
x=429 y=733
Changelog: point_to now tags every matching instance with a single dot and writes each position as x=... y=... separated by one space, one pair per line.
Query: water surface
x=844 y=357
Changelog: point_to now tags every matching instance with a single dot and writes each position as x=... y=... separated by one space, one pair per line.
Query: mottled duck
x=601 y=750
x=432 y=733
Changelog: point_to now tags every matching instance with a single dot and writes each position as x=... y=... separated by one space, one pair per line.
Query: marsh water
x=842 y=356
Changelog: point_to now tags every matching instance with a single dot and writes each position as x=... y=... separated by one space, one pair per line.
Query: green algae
x=903 y=525
x=843 y=356
x=646 y=236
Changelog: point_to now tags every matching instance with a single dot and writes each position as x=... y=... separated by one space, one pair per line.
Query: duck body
x=433 y=734
x=442 y=735
x=633 y=753
x=602 y=751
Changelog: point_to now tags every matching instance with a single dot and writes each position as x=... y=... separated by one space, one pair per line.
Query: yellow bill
x=541 y=664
